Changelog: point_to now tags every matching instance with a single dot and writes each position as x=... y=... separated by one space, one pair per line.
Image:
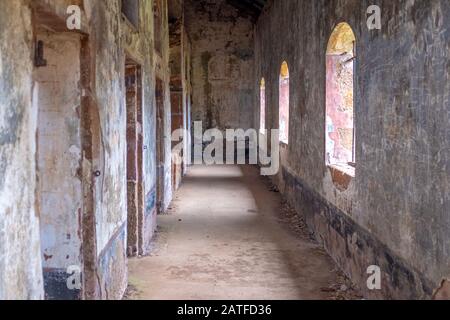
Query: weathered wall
x=59 y=190
x=20 y=262
x=180 y=89
x=96 y=96
x=162 y=72
x=139 y=46
x=394 y=213
x=222 y=64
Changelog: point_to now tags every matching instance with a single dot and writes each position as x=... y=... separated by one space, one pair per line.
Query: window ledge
x=342 y=175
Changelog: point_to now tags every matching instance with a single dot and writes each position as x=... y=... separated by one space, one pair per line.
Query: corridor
x=106 y=105
x=226 y=238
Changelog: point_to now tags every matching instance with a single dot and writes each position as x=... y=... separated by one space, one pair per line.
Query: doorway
x=59 y=196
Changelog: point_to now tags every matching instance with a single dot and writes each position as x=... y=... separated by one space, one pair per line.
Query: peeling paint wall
x=339 y=97
x=222 y=64
x=59 y=200
x=20 y=262
x=394 y=213
x=155 y=63
x=162 y=72
x=91 y=97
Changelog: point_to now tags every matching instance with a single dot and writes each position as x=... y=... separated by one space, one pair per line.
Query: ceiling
x=252 y=8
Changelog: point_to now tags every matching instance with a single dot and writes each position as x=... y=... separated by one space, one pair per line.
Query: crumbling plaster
x=162 y=71
x=180 y=86
x=108 y=39
x=57 y=95
x=222 y=64
x=20 y=262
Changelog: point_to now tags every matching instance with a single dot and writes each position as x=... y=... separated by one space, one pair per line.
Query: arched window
x=340 y=135
x=284 y=103
x=262 y=106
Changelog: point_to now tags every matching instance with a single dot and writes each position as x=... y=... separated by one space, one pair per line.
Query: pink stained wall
x=284 y=110
x=262 y=124
x=339 y=101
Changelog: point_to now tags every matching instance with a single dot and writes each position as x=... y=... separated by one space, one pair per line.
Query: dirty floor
x=228 y=235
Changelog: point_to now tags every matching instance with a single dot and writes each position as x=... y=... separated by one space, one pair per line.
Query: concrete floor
x=223 y=239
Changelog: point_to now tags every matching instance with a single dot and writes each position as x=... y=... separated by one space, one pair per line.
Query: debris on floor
x=343 y=288
x=295 y=222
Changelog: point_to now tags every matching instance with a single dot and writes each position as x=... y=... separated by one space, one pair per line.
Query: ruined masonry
x=92 y=183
